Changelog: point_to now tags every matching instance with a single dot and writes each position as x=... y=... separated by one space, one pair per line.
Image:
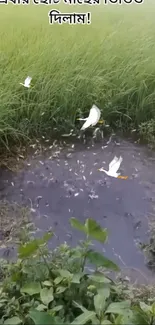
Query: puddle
x=64 y=183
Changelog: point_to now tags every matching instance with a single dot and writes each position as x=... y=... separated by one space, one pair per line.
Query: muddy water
x=63 y=182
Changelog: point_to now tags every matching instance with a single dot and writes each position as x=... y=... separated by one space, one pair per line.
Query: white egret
x=27 y=82
x=113 y=168
x=92 y=119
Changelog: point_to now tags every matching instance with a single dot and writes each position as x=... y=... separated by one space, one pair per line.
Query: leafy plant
x=54 y=287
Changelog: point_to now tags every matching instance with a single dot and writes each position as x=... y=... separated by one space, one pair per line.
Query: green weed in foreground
x=44 y=287
x=109 y=63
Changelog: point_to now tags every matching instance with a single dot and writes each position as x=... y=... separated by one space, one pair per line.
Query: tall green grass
x=110 y=62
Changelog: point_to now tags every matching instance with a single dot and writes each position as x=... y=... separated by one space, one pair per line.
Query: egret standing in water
x=27 y=82
x=92 y=119
x=113 y=168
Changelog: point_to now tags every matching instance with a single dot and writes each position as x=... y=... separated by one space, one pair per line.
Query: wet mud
x=63 y=181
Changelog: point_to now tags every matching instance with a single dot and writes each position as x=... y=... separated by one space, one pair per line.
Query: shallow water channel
x=62 y=181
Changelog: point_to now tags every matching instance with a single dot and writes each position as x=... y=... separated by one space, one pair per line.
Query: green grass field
x=110 y=63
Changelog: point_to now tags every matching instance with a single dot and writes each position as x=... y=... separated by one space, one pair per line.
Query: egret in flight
x=27 y=82
x=92 y=119
x=113 y=168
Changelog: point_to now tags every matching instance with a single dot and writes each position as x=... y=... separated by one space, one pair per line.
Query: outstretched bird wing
x=86 y=124
x=113 y=162
x=94 y=115
x=27 y=81
x=115 y=166
x=93 y=118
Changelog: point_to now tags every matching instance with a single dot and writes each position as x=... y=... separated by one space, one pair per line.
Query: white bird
x=92 y=119
x=113 y=168
x=27 y=82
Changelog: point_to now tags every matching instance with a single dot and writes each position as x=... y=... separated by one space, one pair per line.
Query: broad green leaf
x=100 y=300
x=41 y=307
x=58 y=280
x=105 y=322
x=65 y=273
x=31 y=247
x=99 y=277
x=3 y=300
x=99 y=304
x=31 y=288
x=76 y=277
x=83 y=318
x=119 y=320
x=95 y=231
x=57 y=308
x=40 y=318
x=118 y=307
x=99 y=260
x=47 y=283
x=104 y=292
x=144 y=307
x=28 y=249
x=77 y=225
x=60 y=289
x=13 y=321
x=46 y=295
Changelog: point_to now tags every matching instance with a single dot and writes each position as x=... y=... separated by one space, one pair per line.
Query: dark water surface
x=63 y=182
